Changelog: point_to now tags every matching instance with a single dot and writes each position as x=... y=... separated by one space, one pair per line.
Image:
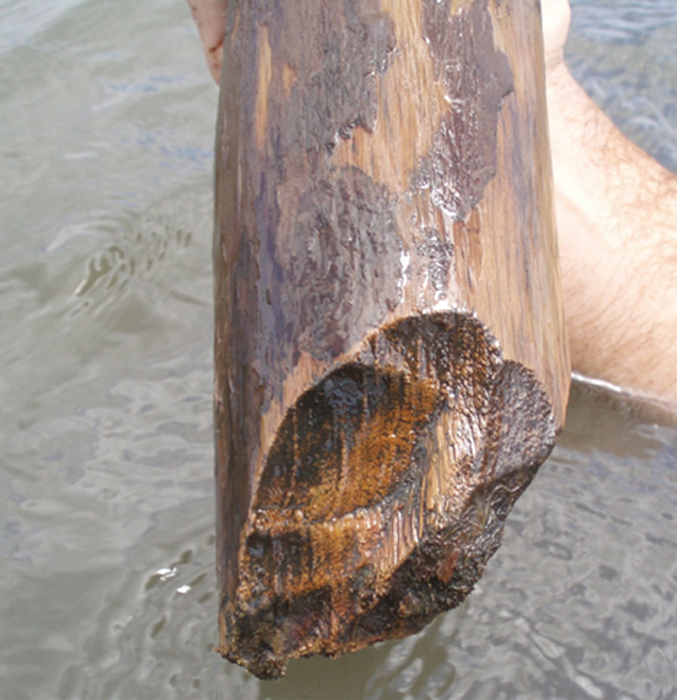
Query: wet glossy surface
x=107 y=584
x=477 y=76
x=326 y=556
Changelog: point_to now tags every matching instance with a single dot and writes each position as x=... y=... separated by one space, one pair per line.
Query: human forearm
x=617 y=219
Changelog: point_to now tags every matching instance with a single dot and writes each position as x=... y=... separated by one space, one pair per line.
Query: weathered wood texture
x=391 y=367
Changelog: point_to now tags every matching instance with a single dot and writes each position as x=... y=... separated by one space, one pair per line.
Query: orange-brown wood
x=391 y=366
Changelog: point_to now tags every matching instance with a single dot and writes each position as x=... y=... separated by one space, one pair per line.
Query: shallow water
x=107 y=585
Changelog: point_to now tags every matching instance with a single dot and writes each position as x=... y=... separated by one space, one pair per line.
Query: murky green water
x=107 y=584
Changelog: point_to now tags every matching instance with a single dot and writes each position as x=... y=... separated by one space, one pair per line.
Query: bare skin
x=210 y=18
x=616 y=214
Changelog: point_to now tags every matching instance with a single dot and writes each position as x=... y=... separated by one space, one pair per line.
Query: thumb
x=210 y=17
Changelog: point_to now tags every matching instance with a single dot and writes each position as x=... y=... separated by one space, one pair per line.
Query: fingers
x=210 y=17
x=556 y=21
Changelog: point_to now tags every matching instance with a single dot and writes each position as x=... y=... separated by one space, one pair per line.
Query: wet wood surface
x=391 y=366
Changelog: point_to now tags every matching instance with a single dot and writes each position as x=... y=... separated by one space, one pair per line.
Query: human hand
x=556 y=21
x=210 y=17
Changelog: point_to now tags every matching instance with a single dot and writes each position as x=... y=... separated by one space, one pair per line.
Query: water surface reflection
x=107 y=578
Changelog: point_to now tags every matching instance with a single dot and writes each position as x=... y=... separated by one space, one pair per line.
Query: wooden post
x=391 y=366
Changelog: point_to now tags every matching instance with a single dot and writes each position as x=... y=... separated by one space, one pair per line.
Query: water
x=107 y=584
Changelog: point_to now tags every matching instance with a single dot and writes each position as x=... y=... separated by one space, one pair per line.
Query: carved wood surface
x=391 y=366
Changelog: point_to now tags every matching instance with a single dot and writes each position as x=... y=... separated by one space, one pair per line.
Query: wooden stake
x=391 y=366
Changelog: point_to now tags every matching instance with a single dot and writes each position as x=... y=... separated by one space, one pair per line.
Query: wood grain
x=391 y=365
